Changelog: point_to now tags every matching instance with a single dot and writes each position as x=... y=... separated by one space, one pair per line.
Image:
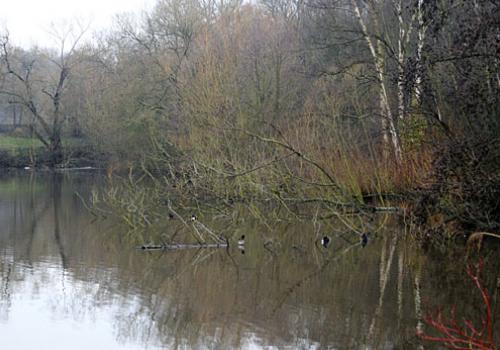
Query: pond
x=70 y=280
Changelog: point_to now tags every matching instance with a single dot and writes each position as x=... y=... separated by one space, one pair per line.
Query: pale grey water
x=71 y=281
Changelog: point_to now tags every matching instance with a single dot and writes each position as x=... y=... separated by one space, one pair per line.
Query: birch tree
x=390 y=133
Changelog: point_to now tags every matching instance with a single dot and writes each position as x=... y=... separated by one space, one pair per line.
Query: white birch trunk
x=401 y=62
x=422 y=28
x=388 y=125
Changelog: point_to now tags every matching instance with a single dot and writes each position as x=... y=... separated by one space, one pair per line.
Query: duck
x=325 y=241
x=241 y=241
x=364 y=240
x=193 y=217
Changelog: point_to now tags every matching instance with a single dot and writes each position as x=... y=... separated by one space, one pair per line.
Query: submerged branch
x=180 y=246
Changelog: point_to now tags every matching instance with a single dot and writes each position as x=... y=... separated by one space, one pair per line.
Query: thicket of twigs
x=462 y=194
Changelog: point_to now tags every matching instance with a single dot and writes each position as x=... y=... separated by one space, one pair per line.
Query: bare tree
x=37 y=81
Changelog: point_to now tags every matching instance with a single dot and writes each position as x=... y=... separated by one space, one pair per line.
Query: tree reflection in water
x=86 y=273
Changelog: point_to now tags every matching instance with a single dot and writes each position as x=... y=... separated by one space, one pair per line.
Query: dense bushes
x=463 y=191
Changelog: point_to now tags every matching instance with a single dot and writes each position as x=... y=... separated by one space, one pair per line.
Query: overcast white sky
x=28 y=21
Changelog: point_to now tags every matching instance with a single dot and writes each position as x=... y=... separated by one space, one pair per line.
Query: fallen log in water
x=76 y=168
x=383 y=209
x=178 y=246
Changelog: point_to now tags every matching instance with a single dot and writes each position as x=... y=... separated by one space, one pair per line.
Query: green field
x=12 y=143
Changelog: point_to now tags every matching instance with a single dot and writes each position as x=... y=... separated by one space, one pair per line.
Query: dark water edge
x=71 y=280
x=40 y=157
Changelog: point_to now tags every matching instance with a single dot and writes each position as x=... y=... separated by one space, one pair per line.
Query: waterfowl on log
x=364 y=240
x=241 y=241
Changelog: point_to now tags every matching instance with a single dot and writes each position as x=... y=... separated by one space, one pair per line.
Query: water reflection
x=70 y=281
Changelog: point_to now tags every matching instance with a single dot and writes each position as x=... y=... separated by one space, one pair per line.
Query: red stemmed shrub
x=464 y=335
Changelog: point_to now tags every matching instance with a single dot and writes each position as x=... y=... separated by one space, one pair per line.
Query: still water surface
x=69 y=280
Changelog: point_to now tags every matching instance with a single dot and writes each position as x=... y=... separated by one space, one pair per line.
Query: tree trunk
x=420 y=46
x=401 y=62
x=55 y=150
x=387 y=120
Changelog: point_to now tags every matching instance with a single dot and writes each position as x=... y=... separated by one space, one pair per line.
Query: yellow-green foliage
x=412 y=131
